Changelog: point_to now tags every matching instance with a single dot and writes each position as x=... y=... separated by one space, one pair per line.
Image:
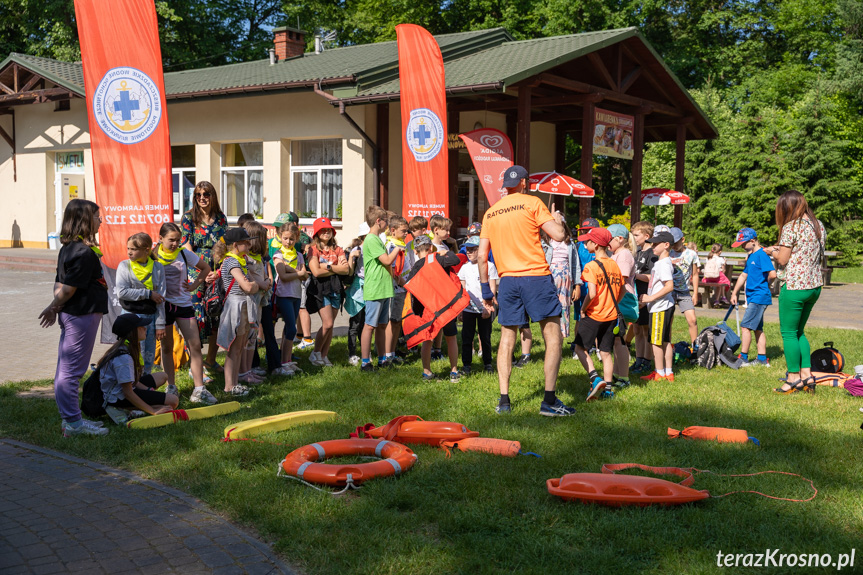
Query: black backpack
x=92 y=398
x=827 y=359
x=214 y=297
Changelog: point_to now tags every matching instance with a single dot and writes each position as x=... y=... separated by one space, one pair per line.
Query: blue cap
x=743 y=236
x=513 y=175
x=472 y=242
x=618 y=231
x=677 y=233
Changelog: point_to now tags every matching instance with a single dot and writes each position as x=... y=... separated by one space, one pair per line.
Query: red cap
x=599 y=236
x=322 y=224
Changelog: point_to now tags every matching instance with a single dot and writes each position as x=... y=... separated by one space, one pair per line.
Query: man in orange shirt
x=600 y=310
x=511 y=228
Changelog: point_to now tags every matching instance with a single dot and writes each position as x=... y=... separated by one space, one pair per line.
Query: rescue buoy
x=413 y=429
x=612 y=490
x=305 y=463
x=176 y=415
x=274 y=423
x=720 y=434
x=484 y=445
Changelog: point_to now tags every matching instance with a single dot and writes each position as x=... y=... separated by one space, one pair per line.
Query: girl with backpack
x=327 y=261
x=290 y=273
x=177 y=262
x=258 y=274
x=714 y=273
x=140 y=287
x=123 y=384
x=238 y=311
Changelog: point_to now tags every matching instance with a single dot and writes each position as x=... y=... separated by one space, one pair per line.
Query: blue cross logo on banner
x=127 y=105
x=424 y=134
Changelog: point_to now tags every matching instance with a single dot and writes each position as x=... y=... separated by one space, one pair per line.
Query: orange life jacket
x=442 y=296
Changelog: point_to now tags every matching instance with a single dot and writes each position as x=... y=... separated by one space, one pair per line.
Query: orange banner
x=491 y=153
x=128 y=119
x=423 y=102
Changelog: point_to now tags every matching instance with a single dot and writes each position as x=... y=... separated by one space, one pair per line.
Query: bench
x=736 y=259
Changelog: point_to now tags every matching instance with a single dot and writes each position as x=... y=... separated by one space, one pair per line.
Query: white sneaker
x=305 y=344
x=354 y=360
x=171 y=389
x=259 y=371
x=83 y=429
x=117 y=415
x=284 y=370
x=327 y=362
x=202 y=395
x=316 y=359
x=294 y=366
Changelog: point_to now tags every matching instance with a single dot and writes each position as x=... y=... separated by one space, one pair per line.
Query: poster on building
x=424 y=135
x=612 y=135
x=491 y=153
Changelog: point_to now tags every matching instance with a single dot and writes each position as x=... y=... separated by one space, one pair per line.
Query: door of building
x=68 y=182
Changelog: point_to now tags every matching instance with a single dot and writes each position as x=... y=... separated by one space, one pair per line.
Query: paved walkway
x=28 y=351
x=61 y=514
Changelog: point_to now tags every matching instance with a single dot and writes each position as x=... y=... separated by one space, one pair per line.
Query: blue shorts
x=753 y=319
x=523 y=297
x=333 y=300
x=378 y=311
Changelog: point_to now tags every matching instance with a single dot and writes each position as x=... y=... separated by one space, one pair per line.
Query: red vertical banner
x=127 y=118
x=424 y=137
x=491 y=153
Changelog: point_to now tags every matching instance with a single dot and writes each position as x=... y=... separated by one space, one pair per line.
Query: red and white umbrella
x=559 y=184
x=660 y=197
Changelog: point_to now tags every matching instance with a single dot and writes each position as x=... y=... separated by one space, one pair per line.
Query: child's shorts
x=660 y=326
x=684 y=302
x=378 y=311
x=601 y=332
x=174 y=312
x=397 y=306
x=753 y=319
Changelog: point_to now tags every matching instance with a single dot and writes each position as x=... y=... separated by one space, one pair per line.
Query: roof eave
x=485 y=88
x=304 y=84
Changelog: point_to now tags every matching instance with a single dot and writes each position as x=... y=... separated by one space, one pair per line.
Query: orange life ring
x=304 y=463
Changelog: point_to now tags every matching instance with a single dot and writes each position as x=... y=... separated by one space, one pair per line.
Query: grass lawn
x=848 y=275
x=476 y=513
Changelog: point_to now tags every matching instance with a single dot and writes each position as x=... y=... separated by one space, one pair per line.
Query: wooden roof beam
x=630 y=79
x=512 y=104
x=597 y=62
x=38 y=95
x=576 y=86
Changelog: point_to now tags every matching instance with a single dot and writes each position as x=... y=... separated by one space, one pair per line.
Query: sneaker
x=505 y=408
x=396 y=360
x=293 y=365
x=250 y=378
x=429 y=376
x=436 y=354
x=136 y=414
x=756 y=363
x=522 y=361
x=316 y=359
x=385 y=363
x=305 y=344
x=607 y=394
x=669 y=377
x=284 y=370
x=620 y=382
x=639 y=367
x=354 y=360
x=259 y=371
x=207 y=378
x=201 y=395
x=652 y=376
x=83 y=429
x=368 y=368
x=117 y=415
x=213 y=368
x=556 y=410
x=172 y=390
x=327 y=362
x=596 y=388
x=465 y=371
x=238 y=391
x=489 y=368
x=454 y=376
x=297 y=341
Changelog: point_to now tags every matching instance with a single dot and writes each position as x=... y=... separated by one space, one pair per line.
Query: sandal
x=214 y=367
x=809 y=384
x=795 y=386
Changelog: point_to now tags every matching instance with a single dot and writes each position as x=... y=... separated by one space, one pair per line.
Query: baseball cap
x=474 y=229
x=589 y=223
x=322 y=224
x=364 y=229
x=600 y=236
x=293 y=217
x=618 y=231
x=661 y=237
x=661 y=228
x=236 y=235
x=422 y=240
x=282 y=219
x=472 y=242
x=513 y=175
x=743 y=236
x=125 y=323
x=677 y=233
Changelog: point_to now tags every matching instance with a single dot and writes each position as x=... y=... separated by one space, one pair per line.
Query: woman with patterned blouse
x=203 y=226
x=800 y=255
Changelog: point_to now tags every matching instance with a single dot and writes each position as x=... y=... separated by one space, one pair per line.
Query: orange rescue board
x=619 y=490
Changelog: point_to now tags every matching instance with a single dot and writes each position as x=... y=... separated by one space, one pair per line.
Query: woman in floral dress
x=800 y=255
x=203 y=226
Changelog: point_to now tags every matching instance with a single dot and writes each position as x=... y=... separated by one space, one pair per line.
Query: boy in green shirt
x=378 y=287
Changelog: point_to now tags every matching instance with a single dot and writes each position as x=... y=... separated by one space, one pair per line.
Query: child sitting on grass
x=660 y=304
x=599 y=309
x=447 y=260
x=757 y=275
x=476 y=318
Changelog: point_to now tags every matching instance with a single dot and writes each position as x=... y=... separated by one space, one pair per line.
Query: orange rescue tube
x=412 y=429
x=485 y=445
x=612 y=490
x=305 y=462
x=720 y=434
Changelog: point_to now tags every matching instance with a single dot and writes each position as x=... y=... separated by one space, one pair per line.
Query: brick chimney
x=289 y=42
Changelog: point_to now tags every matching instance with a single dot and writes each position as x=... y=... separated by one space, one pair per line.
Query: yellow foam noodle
x=278 y=422
x=164 y=419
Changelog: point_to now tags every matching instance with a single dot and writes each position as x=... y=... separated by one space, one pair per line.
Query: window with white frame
x=243 y=179
x=182 y=178
x=316 y=178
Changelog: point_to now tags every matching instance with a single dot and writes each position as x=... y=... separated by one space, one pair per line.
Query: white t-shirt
x=469 y=274
x=663 y=271
x=176 y=276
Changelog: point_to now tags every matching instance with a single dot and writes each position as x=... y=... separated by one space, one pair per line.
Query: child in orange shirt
x=600 y=321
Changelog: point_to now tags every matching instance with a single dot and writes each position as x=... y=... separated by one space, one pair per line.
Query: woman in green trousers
x=800 y=255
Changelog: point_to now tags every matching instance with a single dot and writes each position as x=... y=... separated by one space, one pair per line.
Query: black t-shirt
x=644 y=261
x=78 y=266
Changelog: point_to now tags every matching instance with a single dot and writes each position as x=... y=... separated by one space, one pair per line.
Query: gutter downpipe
x=376 y=187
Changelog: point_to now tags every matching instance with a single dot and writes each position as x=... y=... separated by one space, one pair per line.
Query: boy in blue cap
x=757 y=275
